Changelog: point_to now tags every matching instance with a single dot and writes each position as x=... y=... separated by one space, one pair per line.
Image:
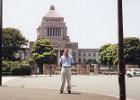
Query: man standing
x=66 y=62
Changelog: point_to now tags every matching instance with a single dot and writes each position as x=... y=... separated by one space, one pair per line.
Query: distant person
x=66 y=62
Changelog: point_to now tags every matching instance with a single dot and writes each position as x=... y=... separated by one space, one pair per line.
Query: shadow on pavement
x=73 y=93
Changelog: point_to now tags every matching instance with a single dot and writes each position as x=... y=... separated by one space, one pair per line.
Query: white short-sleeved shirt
x=66 y=61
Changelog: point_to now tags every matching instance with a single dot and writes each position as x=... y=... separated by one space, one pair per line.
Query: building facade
x=54 y=29
x=86 y=54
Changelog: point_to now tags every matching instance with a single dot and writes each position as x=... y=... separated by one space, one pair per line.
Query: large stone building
x=54 y=29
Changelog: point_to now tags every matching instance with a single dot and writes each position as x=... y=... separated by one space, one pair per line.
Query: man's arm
x=72 y=61
x=60 y=62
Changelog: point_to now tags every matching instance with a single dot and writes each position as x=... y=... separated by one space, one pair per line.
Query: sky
x=91 y=23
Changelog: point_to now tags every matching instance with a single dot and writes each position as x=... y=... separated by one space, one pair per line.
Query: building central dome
x=52 y=7
x=52 y=12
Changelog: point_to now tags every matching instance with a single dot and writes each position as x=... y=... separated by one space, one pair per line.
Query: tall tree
x=108 y=54
x=132 y=50
x=12 y=41
x=103 y=54
x=43 y=52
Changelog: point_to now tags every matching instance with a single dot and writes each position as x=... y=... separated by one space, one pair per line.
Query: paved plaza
x=16 y=93
x=83 y=86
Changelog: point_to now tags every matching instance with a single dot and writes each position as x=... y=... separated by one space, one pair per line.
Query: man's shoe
x=69 y=91
x=61 y=91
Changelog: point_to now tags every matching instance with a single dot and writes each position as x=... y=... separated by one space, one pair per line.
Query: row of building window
x=82 y=60
x=53 y=32
x=54 y=20
x=89 y=54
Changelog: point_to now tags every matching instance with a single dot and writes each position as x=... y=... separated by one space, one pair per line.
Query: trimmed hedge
x=21 y=69
x=16 y=68
x=6 y=73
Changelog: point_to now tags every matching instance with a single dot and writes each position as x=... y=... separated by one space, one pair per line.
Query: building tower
x=54 y=29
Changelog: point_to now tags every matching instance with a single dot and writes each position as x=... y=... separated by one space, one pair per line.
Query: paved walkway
x=21 y=93
x=99 y=85
x=32 y=88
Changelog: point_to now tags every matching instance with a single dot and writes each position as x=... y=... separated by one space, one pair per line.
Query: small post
x=50 y=71
x=36 y=68
x=50 y=67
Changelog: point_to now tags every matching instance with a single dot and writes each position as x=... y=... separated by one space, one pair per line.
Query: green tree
x=43 y=52
x=102 y=54
x=132 y=50
x=108 y=54
x=12 y=41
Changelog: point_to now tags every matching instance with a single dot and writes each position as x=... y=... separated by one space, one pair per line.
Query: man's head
x=66 y=51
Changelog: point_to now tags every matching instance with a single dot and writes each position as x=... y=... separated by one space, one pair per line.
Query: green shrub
x=25 y=69
x=15 y=63
x=16 y=68
x=6 y=73
x=21 y=69
x=5 y=66
x=15 y=71
x=9 y=62
x=25 y=62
